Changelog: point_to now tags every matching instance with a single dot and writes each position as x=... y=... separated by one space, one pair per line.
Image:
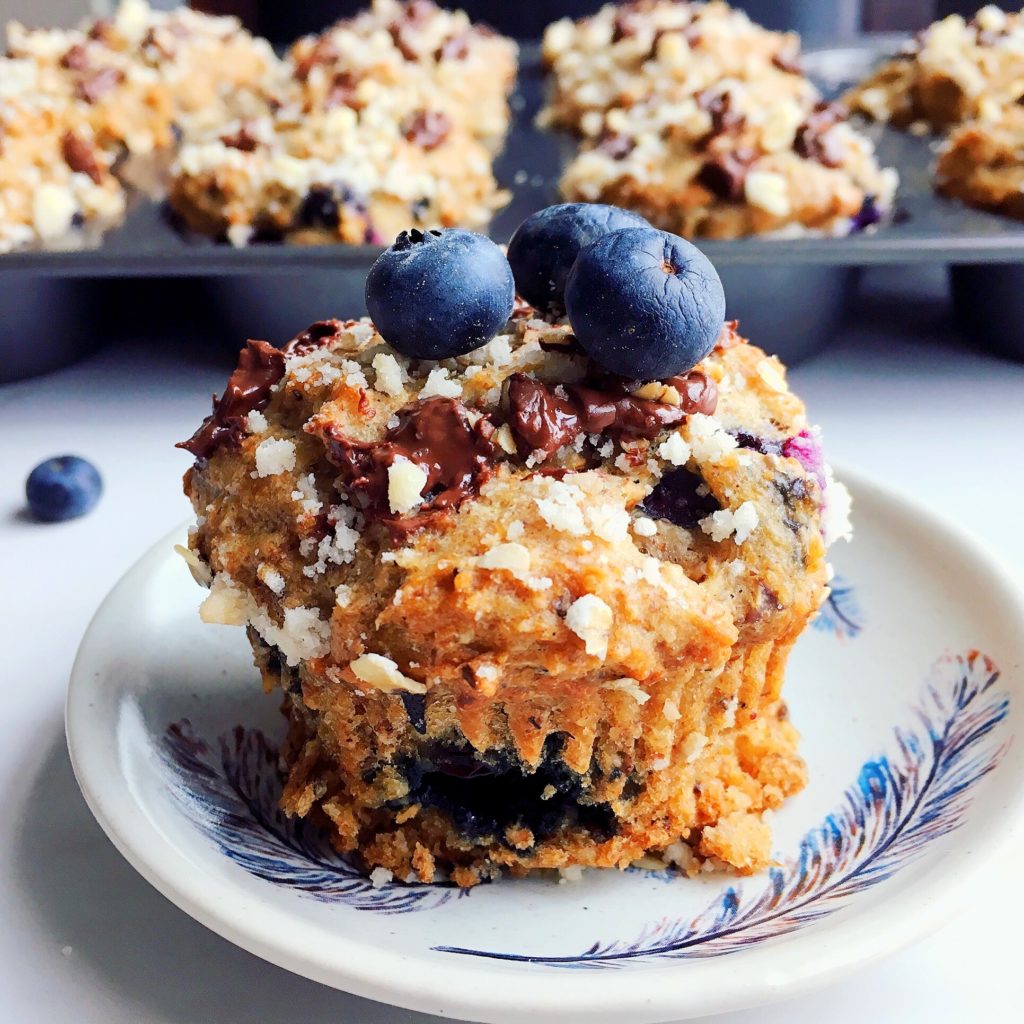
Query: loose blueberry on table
x=545 y=246
x=64 y=487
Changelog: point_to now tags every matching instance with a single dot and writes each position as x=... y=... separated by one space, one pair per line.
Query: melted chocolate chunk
x=80 y=156
x=697 y=392
x=97 y=86
x=812 y=140
x=315 y=336
x=676 y=499
x=725 y=174
x=427 y=128
x=436 y=435
x=260 y=367
x=544 y=417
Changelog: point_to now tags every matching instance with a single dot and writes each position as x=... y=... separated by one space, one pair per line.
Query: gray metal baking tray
x=788 y=293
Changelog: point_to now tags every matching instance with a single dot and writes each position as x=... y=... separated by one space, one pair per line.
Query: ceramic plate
x=909 y=692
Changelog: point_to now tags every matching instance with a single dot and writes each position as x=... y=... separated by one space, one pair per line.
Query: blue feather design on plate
x=233 y=799
x=841 y=613
x=897 y=805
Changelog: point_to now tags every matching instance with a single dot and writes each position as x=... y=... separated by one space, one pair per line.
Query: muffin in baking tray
x=385 y=120
x=143 y=78
x=981 y=163
x=56 y=185
x=388 y=119
x=459 y=70
x=86 y=111
x=628 y=53
x=700 y=120
x=525 y=613
x=953 y=71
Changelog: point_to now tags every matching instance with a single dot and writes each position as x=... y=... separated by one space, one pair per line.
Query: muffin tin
x=789 y=293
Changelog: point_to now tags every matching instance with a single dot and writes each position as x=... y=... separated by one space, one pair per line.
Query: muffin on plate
x=702 y=121
x=527 y=581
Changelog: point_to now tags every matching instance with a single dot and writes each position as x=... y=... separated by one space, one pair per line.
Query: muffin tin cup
x=788 y=293
x=988 y=306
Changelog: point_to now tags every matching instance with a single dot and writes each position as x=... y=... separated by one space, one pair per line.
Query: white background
x=84 y=939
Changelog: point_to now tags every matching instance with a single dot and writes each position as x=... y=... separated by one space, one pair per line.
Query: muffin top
x=510 y=518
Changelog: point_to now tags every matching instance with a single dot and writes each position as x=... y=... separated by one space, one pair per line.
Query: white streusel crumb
x=591 y=620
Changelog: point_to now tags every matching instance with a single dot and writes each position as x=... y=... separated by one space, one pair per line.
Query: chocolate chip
x=404 y=28
x=627 y=24
x=95 y=88
x=343 y=91
x=724 y=175
x=101 y=29
x=427 y=128
x=242 y=140
x=80 y=156
x=76 y=58
x=723 y=118
x=322 y=53
x=813 y=141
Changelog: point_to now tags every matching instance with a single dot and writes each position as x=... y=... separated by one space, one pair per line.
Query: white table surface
x=84 y=939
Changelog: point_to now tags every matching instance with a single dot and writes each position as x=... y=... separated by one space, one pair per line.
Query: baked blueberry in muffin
x=526 y=611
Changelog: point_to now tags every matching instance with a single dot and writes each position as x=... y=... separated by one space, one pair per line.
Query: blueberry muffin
x=526 y=578
x=385 y=120
x=87 y=112
x=702 y=122
x=457 y=69
x=953 y=71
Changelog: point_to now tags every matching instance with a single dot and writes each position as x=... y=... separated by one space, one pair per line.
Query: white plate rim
x=438 y=987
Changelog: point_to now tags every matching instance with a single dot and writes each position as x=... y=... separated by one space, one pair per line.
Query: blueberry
x=64 y=487
x=644 y=303
x=545 y=246
x=438 y=294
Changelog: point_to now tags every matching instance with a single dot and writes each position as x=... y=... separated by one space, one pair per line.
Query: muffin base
x=440 y=808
